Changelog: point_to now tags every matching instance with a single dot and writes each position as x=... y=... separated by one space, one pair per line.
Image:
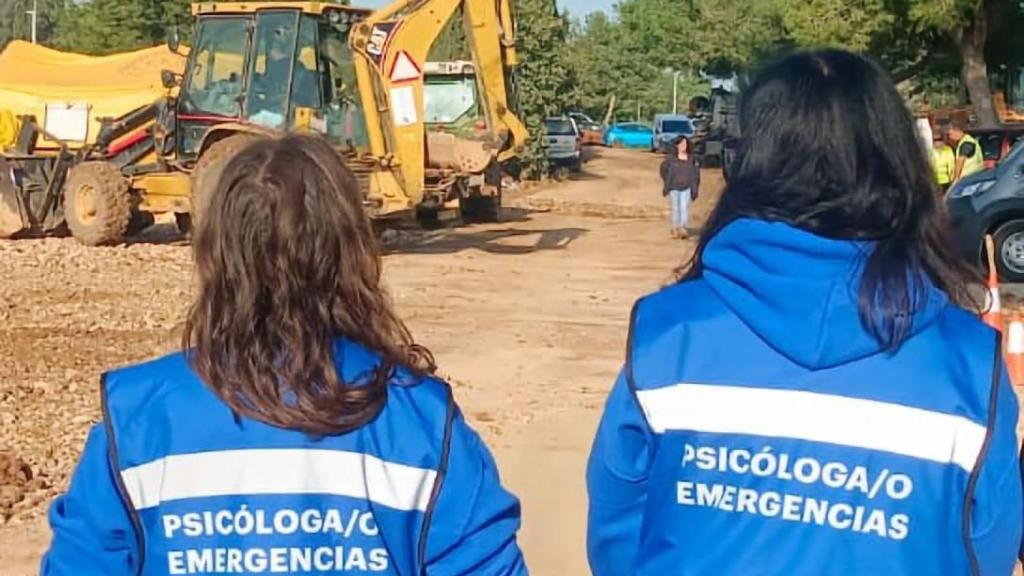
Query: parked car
x=996 y=143
x=563 y=140
x=992 y=202
x=591 y=132
x=668 y=127
x=629 y=135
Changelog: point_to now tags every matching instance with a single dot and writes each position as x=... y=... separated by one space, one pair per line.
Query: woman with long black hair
x=816 y=394
x=302 y=430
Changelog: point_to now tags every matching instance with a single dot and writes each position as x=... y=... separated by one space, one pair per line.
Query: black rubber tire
x=481 y=209
x=429 y=218
x=139 y=222
x=1007 y=237
x=97 y=203
x=208 y=169
x=184 y=222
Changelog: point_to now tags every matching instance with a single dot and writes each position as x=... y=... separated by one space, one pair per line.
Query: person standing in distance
x=943 y=161
x=680 y=176
x=815 y=396
x=301 y=430
x=969 y=156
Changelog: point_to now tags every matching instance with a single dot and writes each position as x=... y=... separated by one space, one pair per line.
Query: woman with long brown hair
x=302 y=430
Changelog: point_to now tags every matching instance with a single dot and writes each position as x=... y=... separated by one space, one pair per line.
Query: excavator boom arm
x=392 y=46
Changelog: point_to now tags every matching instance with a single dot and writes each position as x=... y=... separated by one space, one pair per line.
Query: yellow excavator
x=259 y=68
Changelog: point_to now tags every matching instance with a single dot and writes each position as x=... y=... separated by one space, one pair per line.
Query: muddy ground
x=527 y=319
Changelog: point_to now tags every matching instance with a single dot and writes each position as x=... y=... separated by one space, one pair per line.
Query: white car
x=563 y=143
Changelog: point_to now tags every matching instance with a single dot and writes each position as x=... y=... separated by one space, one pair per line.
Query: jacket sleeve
x=997 y=515
x=617 y=477
x=475 y=520
x=92 y=532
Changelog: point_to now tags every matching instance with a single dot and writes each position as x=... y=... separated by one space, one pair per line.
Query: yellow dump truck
x=256 y=69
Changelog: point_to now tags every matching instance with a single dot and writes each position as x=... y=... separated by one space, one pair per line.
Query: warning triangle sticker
x=404 y=68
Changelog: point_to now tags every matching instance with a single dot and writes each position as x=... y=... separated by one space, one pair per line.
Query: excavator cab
x=451 y=99
x=273 y=68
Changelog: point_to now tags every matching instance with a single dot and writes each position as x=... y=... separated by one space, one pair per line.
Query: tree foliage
x=16 y=23
x=94 y=26
x=933 y=47
x=107 y=26
x=546 y=80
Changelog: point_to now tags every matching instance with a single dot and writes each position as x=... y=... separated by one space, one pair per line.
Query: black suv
x=992 y=202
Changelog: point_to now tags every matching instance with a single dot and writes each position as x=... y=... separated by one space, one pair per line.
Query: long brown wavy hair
x=287 y=263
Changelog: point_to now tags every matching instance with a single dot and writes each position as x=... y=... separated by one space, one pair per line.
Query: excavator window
x=450 y=98
x=214 y=83
x=270 y=73
x=1015 y=90
x=306 y=76
x=346 y=123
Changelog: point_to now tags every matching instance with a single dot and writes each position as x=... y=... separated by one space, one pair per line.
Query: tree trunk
x=610 y=112
x=971 y=40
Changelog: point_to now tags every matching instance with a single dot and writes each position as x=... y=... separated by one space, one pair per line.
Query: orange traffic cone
x=993 y=315
x=1015 y=350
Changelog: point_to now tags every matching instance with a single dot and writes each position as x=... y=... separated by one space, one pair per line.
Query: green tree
x=546 y=81
x=849 y=24
x=107 y=26
x=16 y=24
x=967 y=25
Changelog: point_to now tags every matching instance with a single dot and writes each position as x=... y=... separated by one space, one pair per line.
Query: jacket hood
x=799 y=291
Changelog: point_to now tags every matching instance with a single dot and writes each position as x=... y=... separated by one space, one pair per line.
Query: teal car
x=629 y=135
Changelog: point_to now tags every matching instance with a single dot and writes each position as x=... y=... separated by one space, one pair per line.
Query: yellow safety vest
x=944 y=163
x=973 y=163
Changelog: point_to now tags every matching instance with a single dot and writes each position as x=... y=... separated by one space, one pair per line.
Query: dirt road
x=527 y=318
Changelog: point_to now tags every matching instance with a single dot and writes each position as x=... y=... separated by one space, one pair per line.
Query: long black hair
x=828 y=146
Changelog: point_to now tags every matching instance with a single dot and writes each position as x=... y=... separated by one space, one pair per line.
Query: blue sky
x=575 y=7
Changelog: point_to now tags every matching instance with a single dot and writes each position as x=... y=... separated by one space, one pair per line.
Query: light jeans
x=680 y=208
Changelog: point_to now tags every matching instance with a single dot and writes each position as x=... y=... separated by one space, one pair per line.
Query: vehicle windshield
x=214 y=83
x=270 y=74
x=1015 y=90
x=677 y=127
x=559 y=127
x=447 y=99
x=346 y=123
x=1014 y=158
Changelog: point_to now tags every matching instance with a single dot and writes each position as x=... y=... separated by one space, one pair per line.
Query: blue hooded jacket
x=759 y=429
x=173 y=483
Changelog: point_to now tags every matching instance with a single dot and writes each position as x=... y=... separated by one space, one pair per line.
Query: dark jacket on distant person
x=680 y=175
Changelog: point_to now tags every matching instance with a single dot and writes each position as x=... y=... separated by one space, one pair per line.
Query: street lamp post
x=34 y=12
x=675 y=91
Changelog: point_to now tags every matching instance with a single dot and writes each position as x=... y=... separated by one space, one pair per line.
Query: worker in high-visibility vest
x=943 y=161
x=969 y=157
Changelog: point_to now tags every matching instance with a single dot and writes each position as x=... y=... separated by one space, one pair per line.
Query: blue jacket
x=758 y=429
x=173 y=483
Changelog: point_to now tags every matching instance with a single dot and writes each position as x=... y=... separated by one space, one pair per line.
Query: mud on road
x=527 y=319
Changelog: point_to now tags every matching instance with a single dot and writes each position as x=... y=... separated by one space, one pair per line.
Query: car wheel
x=1009 y=241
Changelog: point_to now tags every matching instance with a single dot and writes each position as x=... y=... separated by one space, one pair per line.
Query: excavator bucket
x=10 y=215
